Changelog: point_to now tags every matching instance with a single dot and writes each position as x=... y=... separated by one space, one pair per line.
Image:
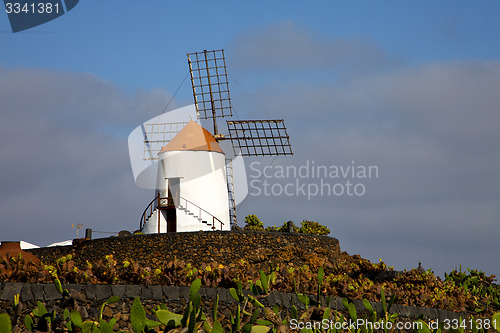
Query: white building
x=192 y=185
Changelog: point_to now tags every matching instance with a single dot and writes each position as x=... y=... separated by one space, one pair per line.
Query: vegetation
x=313 y=228
x=252 y=222
x=477 y=284
x=250 y=315
x=469 y=291
x=355 y=278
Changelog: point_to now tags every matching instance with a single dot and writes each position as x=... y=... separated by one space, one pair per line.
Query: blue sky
x=411 y=87
x=138 y=46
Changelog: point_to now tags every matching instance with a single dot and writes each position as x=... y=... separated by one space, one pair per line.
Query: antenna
x=78 y=227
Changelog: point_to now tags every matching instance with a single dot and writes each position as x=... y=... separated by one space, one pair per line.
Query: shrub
x=272 y=228
x=253 y=223
x=285 y=227
x=314 y=228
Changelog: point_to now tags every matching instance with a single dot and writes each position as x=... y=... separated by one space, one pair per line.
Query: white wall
x=151 y=226
x=203 y=182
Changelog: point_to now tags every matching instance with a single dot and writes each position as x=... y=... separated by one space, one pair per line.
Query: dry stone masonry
x=262 y=249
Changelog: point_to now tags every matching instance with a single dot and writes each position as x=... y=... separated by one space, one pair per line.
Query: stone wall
x=87 y=299
x=262 y=249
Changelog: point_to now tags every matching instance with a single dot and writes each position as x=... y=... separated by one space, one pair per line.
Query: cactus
x=216 y=327
x=372 y=314
x=195 y=314
x=237 y=294
x=237 y=319
x=66 y=317
x=169 y=319
x=99 y=326
x=5 y=323
x=103 y=325
x=111 y=300
x=76 y=318
x=386 y=307
x=39 y=319
x=496 y=321
x=321 y=275
x=214 y=308
x=351 y=309
x=192 y=318
x=138 y=316
x=294 y=312
x=261 y=286
x=244 y=317
x=265 y=282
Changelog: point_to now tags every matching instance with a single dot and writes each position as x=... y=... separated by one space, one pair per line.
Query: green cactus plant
x=39 y=319
x=138 y=318
x=5 y=323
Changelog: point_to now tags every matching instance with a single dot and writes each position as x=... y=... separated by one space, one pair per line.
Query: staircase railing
x=214 y=219
x=169 y=203
x=149 y=208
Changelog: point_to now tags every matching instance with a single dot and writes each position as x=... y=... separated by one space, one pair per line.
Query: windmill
x=169 y=142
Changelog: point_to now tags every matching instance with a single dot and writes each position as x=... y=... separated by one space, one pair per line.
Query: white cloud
x=63 y=144
x=431 y=129
x=287 y=47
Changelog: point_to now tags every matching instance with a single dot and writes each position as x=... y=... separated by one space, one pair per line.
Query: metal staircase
x=185 y=205
x=188 y=212
x=230 y=191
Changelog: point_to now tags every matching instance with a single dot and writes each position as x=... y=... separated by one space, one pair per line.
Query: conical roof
x=193 y=137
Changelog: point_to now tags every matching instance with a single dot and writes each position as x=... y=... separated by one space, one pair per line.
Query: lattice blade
x=259 y=137
x=210 y=84
x=157 y=135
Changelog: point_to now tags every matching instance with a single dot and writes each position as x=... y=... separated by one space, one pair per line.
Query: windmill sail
x=259 y=137
x=158 y=135
x=147 y=139
x=210 y=84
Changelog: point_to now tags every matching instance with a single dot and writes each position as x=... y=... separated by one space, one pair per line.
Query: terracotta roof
x=193 y=137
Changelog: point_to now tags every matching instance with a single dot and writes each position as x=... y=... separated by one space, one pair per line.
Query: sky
x=408 y=88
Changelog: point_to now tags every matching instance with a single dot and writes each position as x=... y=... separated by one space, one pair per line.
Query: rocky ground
x=263 y=250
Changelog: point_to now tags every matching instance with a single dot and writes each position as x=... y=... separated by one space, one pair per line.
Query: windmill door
x=173 y=197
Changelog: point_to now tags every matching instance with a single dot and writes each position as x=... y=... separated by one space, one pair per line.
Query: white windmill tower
x=192 y=188
x=195 y=189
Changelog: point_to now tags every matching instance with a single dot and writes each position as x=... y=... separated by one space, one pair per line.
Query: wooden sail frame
x=210 y=84
x=259 y=137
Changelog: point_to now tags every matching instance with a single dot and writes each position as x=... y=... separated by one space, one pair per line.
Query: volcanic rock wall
x=87 y=299
x=262 y=249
